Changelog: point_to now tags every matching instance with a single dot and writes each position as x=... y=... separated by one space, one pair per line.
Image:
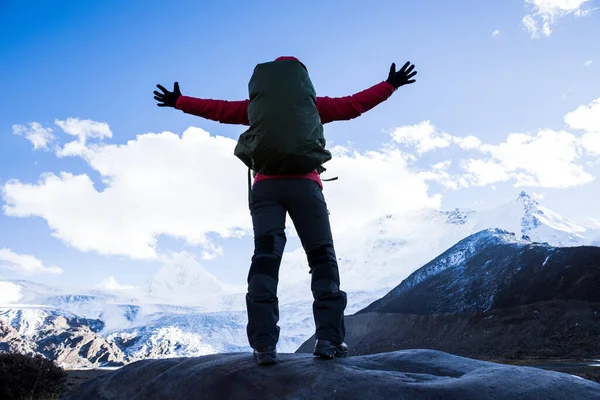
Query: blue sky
x=481 y=74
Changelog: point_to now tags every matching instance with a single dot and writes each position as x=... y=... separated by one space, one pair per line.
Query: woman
x=284 y=108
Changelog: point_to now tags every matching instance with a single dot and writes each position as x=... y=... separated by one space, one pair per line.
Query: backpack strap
x=321 y=169
x=249 y=186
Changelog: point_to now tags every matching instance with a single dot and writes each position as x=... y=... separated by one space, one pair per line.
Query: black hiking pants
x=304 y=201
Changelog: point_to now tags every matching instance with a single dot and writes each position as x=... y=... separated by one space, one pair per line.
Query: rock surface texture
x=407 y=374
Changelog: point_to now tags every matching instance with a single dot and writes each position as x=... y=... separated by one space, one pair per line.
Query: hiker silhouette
x=285 y=147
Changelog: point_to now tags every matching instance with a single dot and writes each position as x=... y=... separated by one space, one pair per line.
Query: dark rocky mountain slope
x=491 y=296
x=494 y=269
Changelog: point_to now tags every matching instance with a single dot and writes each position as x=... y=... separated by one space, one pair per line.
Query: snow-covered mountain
x=527 y=217
x=111 y=331
x=185 y=282
x=183 y=310
x=495 y=269
x=24 y=292
x=493 y=295
x=387 y=250
x=184 y=278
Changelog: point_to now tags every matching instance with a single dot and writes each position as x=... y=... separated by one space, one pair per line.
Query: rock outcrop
x=68 y=340
x=12 y=342
x=408 y=374
x=68 y=343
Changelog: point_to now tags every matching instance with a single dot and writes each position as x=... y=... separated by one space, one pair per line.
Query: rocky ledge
x=404 y=374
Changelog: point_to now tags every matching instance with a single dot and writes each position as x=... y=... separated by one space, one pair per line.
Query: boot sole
x=265 y=359
x=330 y=354
x=267 y=362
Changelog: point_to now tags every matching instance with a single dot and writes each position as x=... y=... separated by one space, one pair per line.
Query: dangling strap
x=322 y=169
x=249 y=187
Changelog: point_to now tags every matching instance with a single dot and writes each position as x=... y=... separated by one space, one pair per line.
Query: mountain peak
x=184 y=279
x=527 y=200
x=525 y=216
x=530 y=218
x=111 y=283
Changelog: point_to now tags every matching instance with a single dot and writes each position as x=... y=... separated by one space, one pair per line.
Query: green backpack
x=285 y=134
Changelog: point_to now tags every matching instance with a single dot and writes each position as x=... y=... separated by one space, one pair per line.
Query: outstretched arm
x=225 y=112
x=349 y=107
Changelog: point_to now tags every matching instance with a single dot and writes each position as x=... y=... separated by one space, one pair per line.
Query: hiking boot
x=265 y=355
x=327 y=349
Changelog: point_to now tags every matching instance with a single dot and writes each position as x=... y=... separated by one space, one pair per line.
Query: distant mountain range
x=492 y=295
x=495 y=269
x=184 y=310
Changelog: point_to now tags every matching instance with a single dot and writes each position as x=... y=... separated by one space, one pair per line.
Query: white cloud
x=189 y=186
x=484 y=172
x=111 y=283
x=211 y=252
x=588 y=63
x=40 y=137
x=25 y=264
x=157 y=184
x=468 y=142
x=439 y=173
x=424 y=136
x=552 y=159
x=591 y=142
x=442 y=166
x=585 y=117
x=192 y=185
x=83 y=129
x=548 y=159
x=531 y=25
x=538 y=196
x=496 y=33
x=10 y=293
x=378 y=182
x=546 y=13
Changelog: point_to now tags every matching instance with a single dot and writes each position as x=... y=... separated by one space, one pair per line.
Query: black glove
x=167 y=99
x=402 y=77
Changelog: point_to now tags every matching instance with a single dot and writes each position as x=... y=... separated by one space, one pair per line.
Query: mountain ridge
x=493 y=268
x=171 y=306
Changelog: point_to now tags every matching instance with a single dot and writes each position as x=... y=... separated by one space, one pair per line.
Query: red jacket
x=330 y=109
